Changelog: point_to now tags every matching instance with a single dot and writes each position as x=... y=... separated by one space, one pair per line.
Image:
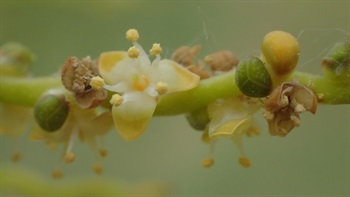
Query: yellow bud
x=280 y=50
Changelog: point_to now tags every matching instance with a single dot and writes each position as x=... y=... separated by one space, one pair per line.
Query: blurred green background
x=312 y=160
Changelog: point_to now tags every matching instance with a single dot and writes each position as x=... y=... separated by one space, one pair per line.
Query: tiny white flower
x=232 y=118
x=140 y=81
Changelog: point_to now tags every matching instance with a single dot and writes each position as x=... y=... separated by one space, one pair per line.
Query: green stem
x=328 y=90
x=206 y=92
x=25 y=91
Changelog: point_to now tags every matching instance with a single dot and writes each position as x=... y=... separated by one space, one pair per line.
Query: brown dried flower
x=284 y=105
x=76 y=76
x=221 y=61
x=185 y=56
x=215 y=63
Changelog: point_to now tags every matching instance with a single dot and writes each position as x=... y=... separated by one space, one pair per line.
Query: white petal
x=120 y=87
x=133 y=115
x=115 y=66
x=144 y=63
x=225 y=110
x=176 y=77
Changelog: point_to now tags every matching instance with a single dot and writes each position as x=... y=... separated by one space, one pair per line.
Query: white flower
x=85 y=124
x=232 y=118
x=138 y=83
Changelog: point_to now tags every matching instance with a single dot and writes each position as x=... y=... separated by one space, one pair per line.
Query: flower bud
x=51 y=111
x=336 y=64
x=252 y=78
x=280 y=52
x=15 y=59
x=198 y=119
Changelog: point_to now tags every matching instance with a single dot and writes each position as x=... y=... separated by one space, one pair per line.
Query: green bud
x=252 y=78
x=198 y=119
x=336 y=64
x=51 y=111
x=15 y=59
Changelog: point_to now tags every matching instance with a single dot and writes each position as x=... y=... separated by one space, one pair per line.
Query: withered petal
x=284 y=105
x=91 y=98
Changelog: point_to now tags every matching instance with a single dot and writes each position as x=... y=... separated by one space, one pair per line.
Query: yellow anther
x=57 y=174
x=245 y=162
x=98 y=169
x=132 y=35
x=97 y=83
x=208 y=162
x=133 y=52
x=116 y=100
x=161 y=88
x=156 y=49
x=103 y=152
x=69 y=158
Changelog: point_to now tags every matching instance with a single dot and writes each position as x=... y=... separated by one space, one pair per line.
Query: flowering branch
x=26 y=91
x=125 y=88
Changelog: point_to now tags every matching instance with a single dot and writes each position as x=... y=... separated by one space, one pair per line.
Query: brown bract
x=283 y=106
x=76 y=76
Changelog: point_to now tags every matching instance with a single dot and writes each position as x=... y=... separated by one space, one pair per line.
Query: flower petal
x=223 y=111
x=133 y=115
x=107 y=65
x=98 y=126
x=233 y=128
x=176 y=77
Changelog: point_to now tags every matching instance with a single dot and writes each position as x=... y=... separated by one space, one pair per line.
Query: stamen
x=156 y=49
x=208 y=162
x=69 y=158
x=161 y=88
x=244 y=161
x=284 y=100
x=70 y=144
x=116 y=100
x=205 y=137
x=103 y=152
x=268 y=115
x=16 y=157
x=98 y=169
x=132 y=35
x=133 y=52
x=296 y=120
x=57 y=173
x=97 y=83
